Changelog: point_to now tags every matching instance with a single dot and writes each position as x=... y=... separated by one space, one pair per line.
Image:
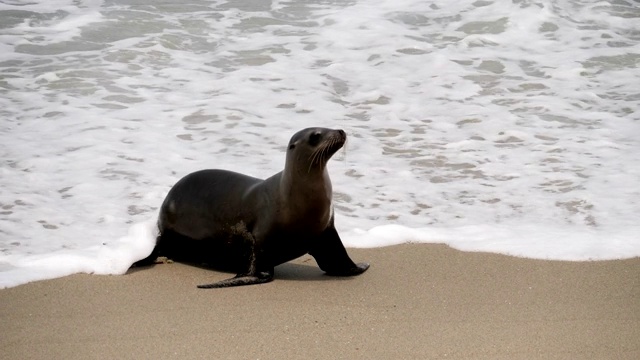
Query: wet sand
x=415 y=302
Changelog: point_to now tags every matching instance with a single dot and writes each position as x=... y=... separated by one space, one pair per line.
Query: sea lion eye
x=291 y=146
x=314 y=139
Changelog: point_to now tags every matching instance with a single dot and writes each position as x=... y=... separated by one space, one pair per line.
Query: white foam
x=112 y=258
x=522 y=241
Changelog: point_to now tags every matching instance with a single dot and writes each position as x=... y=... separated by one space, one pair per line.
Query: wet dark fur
x=248 y=225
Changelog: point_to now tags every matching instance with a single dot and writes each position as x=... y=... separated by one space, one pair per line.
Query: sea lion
x=248 y=225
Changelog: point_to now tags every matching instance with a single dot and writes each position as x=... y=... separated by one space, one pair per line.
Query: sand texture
x=415 y=302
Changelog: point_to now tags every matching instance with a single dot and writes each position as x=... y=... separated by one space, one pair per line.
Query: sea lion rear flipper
x=332 y=257
x=155 y=253
x=240 y=279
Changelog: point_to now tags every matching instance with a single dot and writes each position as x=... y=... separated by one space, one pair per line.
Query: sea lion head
x=311 y=148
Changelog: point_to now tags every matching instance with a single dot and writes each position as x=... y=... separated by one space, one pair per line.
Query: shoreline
x=416 y=301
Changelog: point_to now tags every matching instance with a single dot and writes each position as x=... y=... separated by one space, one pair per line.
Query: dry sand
x=416 y=302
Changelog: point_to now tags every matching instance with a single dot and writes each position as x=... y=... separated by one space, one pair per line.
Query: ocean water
x=507 y=126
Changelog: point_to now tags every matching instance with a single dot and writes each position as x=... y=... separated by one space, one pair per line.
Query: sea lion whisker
x=316 y=157
x=313 y=157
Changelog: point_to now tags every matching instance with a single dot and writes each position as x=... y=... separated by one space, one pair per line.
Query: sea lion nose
x=342 y=133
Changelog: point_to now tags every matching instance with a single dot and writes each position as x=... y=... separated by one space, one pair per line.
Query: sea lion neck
x=308 y=181
x=306 y=200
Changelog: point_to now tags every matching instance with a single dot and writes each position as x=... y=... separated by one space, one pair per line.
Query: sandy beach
x=416 y=302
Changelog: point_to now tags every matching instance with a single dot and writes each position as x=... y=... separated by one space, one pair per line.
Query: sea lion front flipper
x=332 y=257
x=358 y=269
x=240 y=280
